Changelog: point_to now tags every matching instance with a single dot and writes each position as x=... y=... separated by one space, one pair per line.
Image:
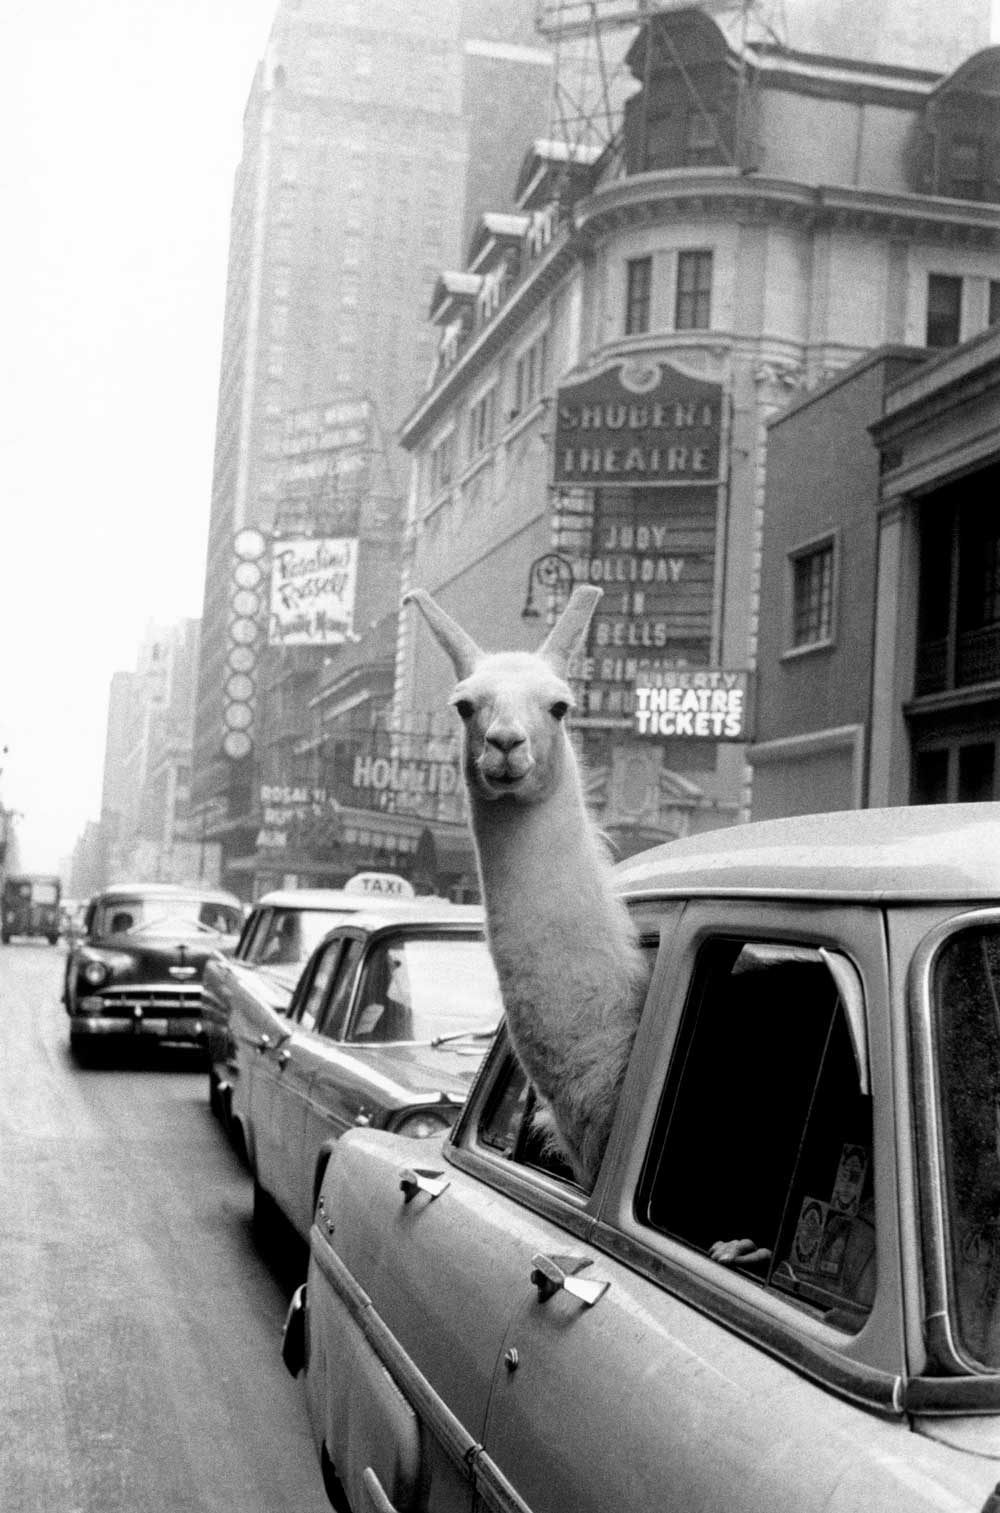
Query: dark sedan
x=386 y=1029
x=135 y=971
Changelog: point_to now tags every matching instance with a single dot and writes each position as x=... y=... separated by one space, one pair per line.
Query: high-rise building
x=374 y=136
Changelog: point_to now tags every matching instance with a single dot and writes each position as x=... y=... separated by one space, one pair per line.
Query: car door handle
x=263 y=1041
x=417 y=1179
x=283 y=1058
x=552 y=1274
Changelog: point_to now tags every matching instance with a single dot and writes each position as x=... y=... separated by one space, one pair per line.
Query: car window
x=511 y=1125
x=966 y=1004
x=422 y=988
x=338 y=1001
x=256 y=928
x=320 y=973
x=291 y=936
x=129 y=914
x=762 y=1151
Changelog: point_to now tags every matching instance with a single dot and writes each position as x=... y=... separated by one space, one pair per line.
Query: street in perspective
x=141 y=1325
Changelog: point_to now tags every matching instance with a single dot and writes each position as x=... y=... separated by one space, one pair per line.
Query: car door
x=281 y=1082
x=757 y=1113
x=437 y=1258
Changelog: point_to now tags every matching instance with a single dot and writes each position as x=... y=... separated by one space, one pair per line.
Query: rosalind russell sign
x=638 y=423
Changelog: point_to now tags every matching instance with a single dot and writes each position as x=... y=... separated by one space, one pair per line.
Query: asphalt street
x=140 y=1325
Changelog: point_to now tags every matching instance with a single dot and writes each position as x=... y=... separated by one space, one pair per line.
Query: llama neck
x=543 y=872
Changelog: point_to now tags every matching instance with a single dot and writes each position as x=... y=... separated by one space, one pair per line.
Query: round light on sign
x=246 y=602
x=247 y=575
x=238 y=717
x=249 y=544
x=243 y=631
x=242 y=658
x=237 y=744
x=240 y=686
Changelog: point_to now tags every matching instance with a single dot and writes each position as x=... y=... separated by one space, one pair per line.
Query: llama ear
x=571 y=627
x=459 y=645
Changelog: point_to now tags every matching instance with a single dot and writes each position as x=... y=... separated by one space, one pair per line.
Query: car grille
x=158 y=998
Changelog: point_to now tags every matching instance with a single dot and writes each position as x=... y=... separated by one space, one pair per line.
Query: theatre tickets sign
x=638 y=423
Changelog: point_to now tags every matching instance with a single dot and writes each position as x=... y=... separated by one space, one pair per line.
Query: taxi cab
x=783 y=1290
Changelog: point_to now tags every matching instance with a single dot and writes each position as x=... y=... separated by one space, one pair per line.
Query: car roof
x=165 y=890
x=418 y=911
x=920 y=854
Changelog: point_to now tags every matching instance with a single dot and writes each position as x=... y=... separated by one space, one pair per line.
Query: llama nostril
x=504 y=740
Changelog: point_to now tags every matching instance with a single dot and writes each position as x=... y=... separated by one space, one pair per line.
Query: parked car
x=386 y=1029
x=814 y=1092
x=247 y=994
x=134 y=973
x=29 y=905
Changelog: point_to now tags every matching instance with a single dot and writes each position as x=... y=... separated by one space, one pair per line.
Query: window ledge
x=795 y=652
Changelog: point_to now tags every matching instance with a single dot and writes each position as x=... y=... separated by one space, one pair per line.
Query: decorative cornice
x=648 y=198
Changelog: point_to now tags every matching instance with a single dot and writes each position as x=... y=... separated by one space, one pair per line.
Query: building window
x=812 y=595
x=694 y=291
x=482 y=418
x=944 y=309
x=530 y=375
x=965 y=168
x=638 y=288
x=701 y=140
x=442 y=463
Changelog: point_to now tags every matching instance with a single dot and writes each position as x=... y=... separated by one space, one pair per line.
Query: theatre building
x=610 y=356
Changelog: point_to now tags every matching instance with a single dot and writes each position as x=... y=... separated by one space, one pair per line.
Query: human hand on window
x=738 y=1253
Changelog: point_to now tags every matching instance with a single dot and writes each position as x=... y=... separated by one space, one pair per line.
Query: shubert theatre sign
x=638 y=423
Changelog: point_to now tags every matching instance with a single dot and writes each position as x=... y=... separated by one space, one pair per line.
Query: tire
x=215 y=1098
x=267 y=1220
x=5 y=937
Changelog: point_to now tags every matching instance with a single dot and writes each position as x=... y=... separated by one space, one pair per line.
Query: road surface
x=140 y=1326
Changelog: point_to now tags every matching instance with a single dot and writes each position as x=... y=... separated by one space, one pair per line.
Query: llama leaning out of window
x=564 y=947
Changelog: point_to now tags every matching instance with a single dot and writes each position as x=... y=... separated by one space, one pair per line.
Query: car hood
x=423 y=1070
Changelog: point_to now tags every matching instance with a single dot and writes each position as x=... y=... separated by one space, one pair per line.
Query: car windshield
x=132 y=914
x=427 y=989
x=291 y=935
x=966 y=1006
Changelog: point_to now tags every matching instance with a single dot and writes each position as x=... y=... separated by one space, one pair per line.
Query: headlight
x=422 y=1125
x=95 y=972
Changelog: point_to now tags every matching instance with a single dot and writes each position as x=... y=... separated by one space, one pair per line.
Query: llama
x=565 y=950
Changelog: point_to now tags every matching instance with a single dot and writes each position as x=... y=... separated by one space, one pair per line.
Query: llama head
x=513 y=704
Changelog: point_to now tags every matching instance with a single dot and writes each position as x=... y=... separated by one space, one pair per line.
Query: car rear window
x=966 y=1005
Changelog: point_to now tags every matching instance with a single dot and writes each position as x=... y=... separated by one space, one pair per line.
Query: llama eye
x=559 y=709
x=466 y=709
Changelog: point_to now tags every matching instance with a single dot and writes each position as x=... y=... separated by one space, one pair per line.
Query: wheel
x=215 y=1097
x=5 y=937
x=267 y=1217
x=53 y=940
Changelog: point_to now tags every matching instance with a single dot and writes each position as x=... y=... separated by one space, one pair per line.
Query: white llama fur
x=565 y=950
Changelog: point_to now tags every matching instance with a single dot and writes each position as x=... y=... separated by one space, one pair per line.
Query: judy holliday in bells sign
x=313 y=585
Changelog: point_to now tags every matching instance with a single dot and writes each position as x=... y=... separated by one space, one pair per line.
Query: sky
x=120 y=125
x=121 y=129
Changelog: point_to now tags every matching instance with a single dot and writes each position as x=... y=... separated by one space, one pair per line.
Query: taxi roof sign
x=380 y=885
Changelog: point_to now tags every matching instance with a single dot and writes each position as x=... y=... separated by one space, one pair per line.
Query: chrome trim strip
x=466 y=1454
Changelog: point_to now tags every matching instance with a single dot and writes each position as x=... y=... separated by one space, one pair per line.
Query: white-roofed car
x=386 y=1030
x=782 y=1290
x=246 y=995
